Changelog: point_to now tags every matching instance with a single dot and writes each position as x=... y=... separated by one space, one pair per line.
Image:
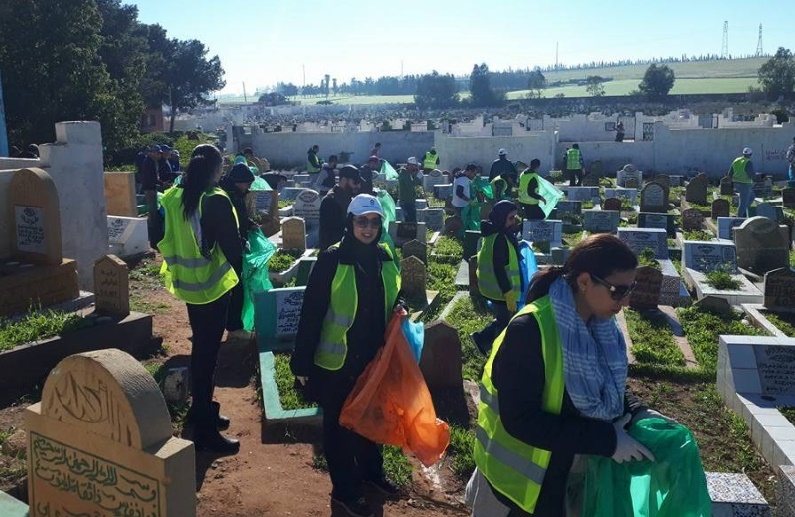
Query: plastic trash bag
x=529 y=266
x=386 y=168
x=256 y=278
x=482 y=185
x=672 y=486
x=390 y=214
x=415 y=336
x=259 y=184
x=391 y=404
x=470 y=216
x=551 y=193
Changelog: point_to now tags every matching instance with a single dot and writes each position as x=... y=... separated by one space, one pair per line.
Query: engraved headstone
x=780 y=290
x=112 y=286
x=631 y=183
x=35 y=216
x=100 y=443
x=648 y=284
x=627 y=174
x=726 y=226
x=726 y=186
x=402 y=232
x=434 y=219
x=293 y=234
x=653 y=198
x=767 y=210
x=639 y=239
x=415 y=248
x=442 y=358
x=120 y=194
x=720 y=208
x=548 y=230
x=692 y=219
x=630 y=194
x=307 y=207
x=276 y=317
x=776 y=367
x=657 y=220
x=788 y=197
x=762 y=245
x=707 y=256
x=413 y=278
x=664 y=180
x=696 y=190
x=600 y=221
x=612 y=203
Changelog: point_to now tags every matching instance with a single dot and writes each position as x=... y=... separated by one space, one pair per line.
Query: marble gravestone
x=127 y=236
x=307 y=207
x=600 y=221
x=415 y=248
x=293 y=234
x=628 y=173
x=402 y=232
x=442 y=358
x=35 y=213
x=638 y=239
x=788 y=197
x=100 y=443
x=630 y=194
x=569 y=207
x=582 y=193
x=726 y=226
x=413 y=281
x=111 y=286
x=653 y=198
x=433 y=218
x=648 y=287
x=767 y=210
x=706 y=256
x=664 y=180
x=612 y=203
x=726 y=186
x=276 y=318
x=780 y=290
x=548 y=230
x=762 y=245
x=720 y=208
x=120 y=194
x=657 y=220
x=692 y=219
x=696 y=190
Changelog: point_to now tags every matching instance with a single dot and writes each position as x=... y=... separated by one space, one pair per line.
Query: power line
x=724 y=49
x=760 y=51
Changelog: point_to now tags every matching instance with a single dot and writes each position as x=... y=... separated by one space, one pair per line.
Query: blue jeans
x=746 y=192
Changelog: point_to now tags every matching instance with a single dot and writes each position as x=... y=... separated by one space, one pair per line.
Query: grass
x=646 y=258
x=146 y=270
x=787 y=411
x=283 y=259
x=784 y=322
x=37 y=326
x=139 y=304
x=722 y=280
x=289 y=397
x=467 y=316
x=703 y=328
x=460 y=451
x=451 y=247
x=652 y=339
x=697 y=235
x=396 y=466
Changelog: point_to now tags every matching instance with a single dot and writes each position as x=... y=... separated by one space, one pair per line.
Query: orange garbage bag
x=391 y=404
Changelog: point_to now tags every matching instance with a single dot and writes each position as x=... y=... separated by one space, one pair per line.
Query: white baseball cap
x=412 y=161
x=502 y=152
x=748 y=151
x=365 y=204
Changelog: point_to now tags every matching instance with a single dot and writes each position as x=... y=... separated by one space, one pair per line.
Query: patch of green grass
x=697 y=235
x=652 y=339
x=461 y=451
x=571 y=239
x=146 y=270
x=288 y=396
x=139 y=304
x=396 y=466
x=467 y=316
x=787 y=411
x=703 y=328
x=284 y=203
x=722 y=280
x=283 y=259
x=37 y=326
x=646 y=258
x=450 y=246
x=785 y=324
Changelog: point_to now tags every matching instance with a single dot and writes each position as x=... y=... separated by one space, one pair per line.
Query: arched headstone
x=36 y=217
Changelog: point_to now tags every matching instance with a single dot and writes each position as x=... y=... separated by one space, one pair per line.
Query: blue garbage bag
x=529 y=267
x=415 y=336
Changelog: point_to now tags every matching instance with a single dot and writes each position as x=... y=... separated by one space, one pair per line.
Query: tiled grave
x=638 y=239
x=701 y=257
x=623 y=193
x=601 y=221
x=550 y=231
x=734 y=495
x=726 y=226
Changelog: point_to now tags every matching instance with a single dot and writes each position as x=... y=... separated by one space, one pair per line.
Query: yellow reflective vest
x=514 y=468
x=333 y=346
x=487 y=280
x=573 y=159
x=738 y=170
x=525 y=180
x=189 y=275
x=429 y=162
x=499 y=185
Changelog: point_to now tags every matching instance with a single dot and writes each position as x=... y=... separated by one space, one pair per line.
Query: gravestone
x=653 y=198
x=100 y=443
x=726 y=226
x=582 y=193
x=569 y=207
x=293 y=234
x=657 y=220
x=767 y=210
x=120 y=194
x=676 y=180
x=471 y=238
x=290 y=193
x=632 y=183
x=435 y=177
x=707 y=256
x=35 y=213
x=612 y=203
x=443 y=192
x=415 y=248
x=413 y=279
x=646 y=294
x=715 y=305
x=726 y=186
x=453 y=225
x=111 y=286
x=696 y=190
x=692 y=219
x=305 y=267
x=780 y=290
x=265 y=201
x=434 y=219
x=628 y=173
x=548 y=230
x=664 y=180
x=762 y=245
x=127 y=236
x=639 y=239
x=402 y=232
x=307 y=207
x=442 y=360
x=788 y=197
x=776 y=366
x=276 y=317
x=601 y=221
x=720 y=208
x=591 y=180
x=630 y=194
x=560 y=255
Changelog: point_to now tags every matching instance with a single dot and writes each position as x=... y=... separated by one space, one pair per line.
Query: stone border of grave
x=697 y=281
x=11 y=507
x=286 y=211
x=271 y=405
x=288 y=274
x=31 y=362
x=754 y=313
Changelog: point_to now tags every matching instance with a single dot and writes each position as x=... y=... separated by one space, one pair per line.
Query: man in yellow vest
x=502 y=186
x=742 y=174
x=574 y=165
x=430 y=161
x=529 y=198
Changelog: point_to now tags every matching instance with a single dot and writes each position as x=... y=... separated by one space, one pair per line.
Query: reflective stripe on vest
x=487 y=280
x=189 y=275
x=524 y=181
x=515 y=468
x=573 y=159
x=333 y=346
x=738 y=170
x=429 y=162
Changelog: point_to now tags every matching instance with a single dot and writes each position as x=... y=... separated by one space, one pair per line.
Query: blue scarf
x=594 y=357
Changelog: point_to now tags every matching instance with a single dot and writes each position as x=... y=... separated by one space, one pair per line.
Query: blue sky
x=262 y=42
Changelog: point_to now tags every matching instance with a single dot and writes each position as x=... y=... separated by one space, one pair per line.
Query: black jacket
x=365 y=336
x=501 y=166
x=333 y=212
x=500 y=256
x=218 y=227
x=518 y=375
x=239 y=201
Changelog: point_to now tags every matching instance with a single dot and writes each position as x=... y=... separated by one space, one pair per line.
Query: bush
x=722 y=279
x=646 y=258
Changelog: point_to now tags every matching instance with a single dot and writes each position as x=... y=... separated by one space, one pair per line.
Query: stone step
x=735 y=495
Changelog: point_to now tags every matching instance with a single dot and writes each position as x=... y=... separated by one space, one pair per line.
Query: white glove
x=302 y=379
x=627 y=448
x=650 y=413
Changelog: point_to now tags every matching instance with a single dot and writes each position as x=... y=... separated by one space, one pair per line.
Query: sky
x=262 y=42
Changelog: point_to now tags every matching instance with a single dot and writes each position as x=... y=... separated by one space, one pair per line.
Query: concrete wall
x=289 y=149
x=75 y=163
x=458 y=151
x=614 y=155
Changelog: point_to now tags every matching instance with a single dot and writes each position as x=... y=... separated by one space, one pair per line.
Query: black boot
x=221 y=421
x=209 y=439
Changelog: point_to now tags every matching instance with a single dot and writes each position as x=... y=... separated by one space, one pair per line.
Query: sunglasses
x=364 y=222
x=617 y=292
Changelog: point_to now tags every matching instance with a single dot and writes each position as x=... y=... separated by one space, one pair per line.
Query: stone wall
x=458 y=151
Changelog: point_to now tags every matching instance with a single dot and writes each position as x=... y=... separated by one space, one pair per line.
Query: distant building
x=153 y=120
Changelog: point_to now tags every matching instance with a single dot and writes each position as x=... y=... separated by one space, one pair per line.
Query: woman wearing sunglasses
x=349 y=299
x=554 y=387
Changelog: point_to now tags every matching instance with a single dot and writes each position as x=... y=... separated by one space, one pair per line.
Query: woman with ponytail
x=555 y=386
x=201 y=252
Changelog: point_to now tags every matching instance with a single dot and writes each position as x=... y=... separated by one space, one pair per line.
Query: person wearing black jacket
x=334 y=207
x=329 y=366
x=502 y=166
x=236 y=184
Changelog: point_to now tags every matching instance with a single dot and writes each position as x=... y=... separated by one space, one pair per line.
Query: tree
x=436 y=91
x=657 y=81
x=191 y=76
x=324 y=84
x=777 y=75
x=536 y=83
x=334 y=87
x=480 y=87
x=595 y=85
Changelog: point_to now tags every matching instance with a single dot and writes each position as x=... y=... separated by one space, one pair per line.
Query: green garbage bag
x=260 y=184
x=386 y=168
x=390 y=214
x=551 y=193
x=256 y=278
x=672 y=486
x=470 y=216
x=482 y=185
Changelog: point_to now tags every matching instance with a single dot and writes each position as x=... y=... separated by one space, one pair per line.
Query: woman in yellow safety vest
x=350 y=297
x=554 y=387
x=201 y=251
